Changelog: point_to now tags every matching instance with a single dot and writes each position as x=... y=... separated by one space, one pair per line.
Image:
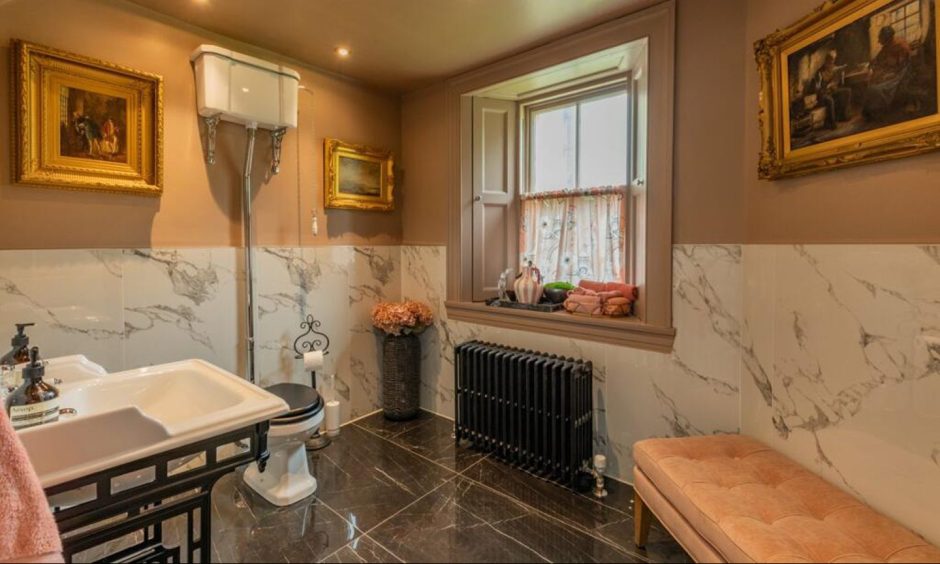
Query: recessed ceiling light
x=342 y=51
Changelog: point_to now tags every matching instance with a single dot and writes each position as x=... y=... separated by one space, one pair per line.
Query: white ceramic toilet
x=287 y=477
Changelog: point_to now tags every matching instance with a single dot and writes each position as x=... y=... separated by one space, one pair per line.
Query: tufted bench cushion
x=752 y=504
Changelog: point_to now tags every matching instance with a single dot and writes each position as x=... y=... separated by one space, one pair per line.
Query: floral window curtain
x=575 y=235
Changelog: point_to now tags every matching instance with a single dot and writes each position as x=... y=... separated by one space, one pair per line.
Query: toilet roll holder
x=312 y=340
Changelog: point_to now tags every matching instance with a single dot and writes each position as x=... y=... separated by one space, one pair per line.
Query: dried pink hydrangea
x=397 y=318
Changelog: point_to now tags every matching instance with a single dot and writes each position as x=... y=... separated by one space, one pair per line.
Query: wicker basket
x=401 y=376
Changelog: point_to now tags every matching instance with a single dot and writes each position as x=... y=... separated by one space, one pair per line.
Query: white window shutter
x=495 y=212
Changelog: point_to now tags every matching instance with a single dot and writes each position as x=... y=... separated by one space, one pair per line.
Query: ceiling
x=397 y=45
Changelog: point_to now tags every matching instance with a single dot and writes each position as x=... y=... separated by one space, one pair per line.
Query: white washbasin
x=125 y=416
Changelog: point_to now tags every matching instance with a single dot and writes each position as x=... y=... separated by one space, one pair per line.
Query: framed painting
x=81 y=123
x=357 y=177
x=854 y=82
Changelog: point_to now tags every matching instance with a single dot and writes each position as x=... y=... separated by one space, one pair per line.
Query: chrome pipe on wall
x=251 y=130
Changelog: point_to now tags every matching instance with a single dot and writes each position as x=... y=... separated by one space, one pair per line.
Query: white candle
x=332 y=418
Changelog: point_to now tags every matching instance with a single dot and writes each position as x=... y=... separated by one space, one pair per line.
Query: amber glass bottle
x=35 y=402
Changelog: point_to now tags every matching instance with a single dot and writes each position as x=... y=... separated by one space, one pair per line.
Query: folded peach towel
x=613 y=299
x=28 y=532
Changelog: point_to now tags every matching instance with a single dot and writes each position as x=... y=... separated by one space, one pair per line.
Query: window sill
x=627 y=331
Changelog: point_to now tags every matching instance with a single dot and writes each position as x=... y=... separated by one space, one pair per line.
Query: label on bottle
x=34 y=414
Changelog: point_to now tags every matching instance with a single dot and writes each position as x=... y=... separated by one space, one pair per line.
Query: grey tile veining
x=366 y=479
x=248 y=529
x=463 y=521
x=362 y=549
x=379 y=502
x=454 y=523
x=545 y=496
x=839 y=372
x=427 y=435
x=74 y=296
x=376 y=423
x=609 y=519
x=660 y=547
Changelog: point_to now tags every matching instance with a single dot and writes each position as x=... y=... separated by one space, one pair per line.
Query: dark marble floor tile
x=367 y=479
x=362 y=549
x=559 y=543
x=453 y=524
x=660 y=547
x=559 y=502
x=464 y=522
x=609 y=518
x=378 y=501
x=378 y=424
x=434 y=440
x=246 y=528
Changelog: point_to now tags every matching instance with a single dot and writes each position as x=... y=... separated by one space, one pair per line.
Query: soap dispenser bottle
x=35 y=402
x=19 y=351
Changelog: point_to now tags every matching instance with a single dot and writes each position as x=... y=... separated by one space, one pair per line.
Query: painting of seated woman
x=874 y=72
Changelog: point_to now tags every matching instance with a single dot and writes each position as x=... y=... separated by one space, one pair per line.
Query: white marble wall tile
x=847 y=375
x=74 y=297
x=707 y=313
x=638 y=394
x=423 y=279
x=181 y=304
x=338 y=285
x=693 y=390
x=823 y=351
x=327 y=301
x=284 y=277
x=374 y=276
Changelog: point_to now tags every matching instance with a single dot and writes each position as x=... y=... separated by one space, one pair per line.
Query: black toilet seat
x=303 y=401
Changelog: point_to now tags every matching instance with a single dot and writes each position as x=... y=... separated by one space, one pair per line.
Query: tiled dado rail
x=818 y=350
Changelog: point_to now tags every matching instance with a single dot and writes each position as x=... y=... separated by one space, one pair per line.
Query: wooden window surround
x=651 y=327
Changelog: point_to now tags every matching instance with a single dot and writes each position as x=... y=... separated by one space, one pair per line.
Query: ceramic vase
x=529 y=286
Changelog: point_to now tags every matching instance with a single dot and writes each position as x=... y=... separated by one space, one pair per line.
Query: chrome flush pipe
x=251 y=129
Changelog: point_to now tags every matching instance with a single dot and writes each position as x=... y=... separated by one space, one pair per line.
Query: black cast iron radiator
x=527 y=408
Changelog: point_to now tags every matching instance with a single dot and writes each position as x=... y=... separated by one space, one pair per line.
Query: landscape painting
x=360 y=177
x=876 y=71
x=357 y=177
x=93 y=125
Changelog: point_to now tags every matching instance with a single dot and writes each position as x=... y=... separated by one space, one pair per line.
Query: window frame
x=586 y=92
x=652 y=328
x=564 y=97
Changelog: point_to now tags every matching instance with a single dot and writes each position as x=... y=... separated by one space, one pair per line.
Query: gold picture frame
x=358 y=177
x=84 y=124
x=855 y=81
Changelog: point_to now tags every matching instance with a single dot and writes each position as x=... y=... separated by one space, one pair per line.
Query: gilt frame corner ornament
x=824 y=114
x=80 y=123
x=358 y=177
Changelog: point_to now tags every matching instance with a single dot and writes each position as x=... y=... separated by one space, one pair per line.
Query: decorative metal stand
x=277 y=138
x=312 y=340
x=145 y=509
x=212 y=122
x=277 y=135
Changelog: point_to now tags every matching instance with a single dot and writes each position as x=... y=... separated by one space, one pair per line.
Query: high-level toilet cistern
x=258 y=94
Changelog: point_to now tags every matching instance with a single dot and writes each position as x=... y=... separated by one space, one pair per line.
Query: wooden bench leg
x=641 y=521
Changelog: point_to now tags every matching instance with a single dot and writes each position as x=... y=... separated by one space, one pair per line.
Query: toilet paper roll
x=332 y=418
x=313 y=360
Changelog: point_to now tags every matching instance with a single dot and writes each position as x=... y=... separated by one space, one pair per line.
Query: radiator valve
x=600 y=465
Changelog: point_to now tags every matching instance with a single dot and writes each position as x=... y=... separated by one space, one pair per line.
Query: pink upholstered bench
x=730 y=498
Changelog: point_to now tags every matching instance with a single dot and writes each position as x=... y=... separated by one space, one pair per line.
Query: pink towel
x=27 y=529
